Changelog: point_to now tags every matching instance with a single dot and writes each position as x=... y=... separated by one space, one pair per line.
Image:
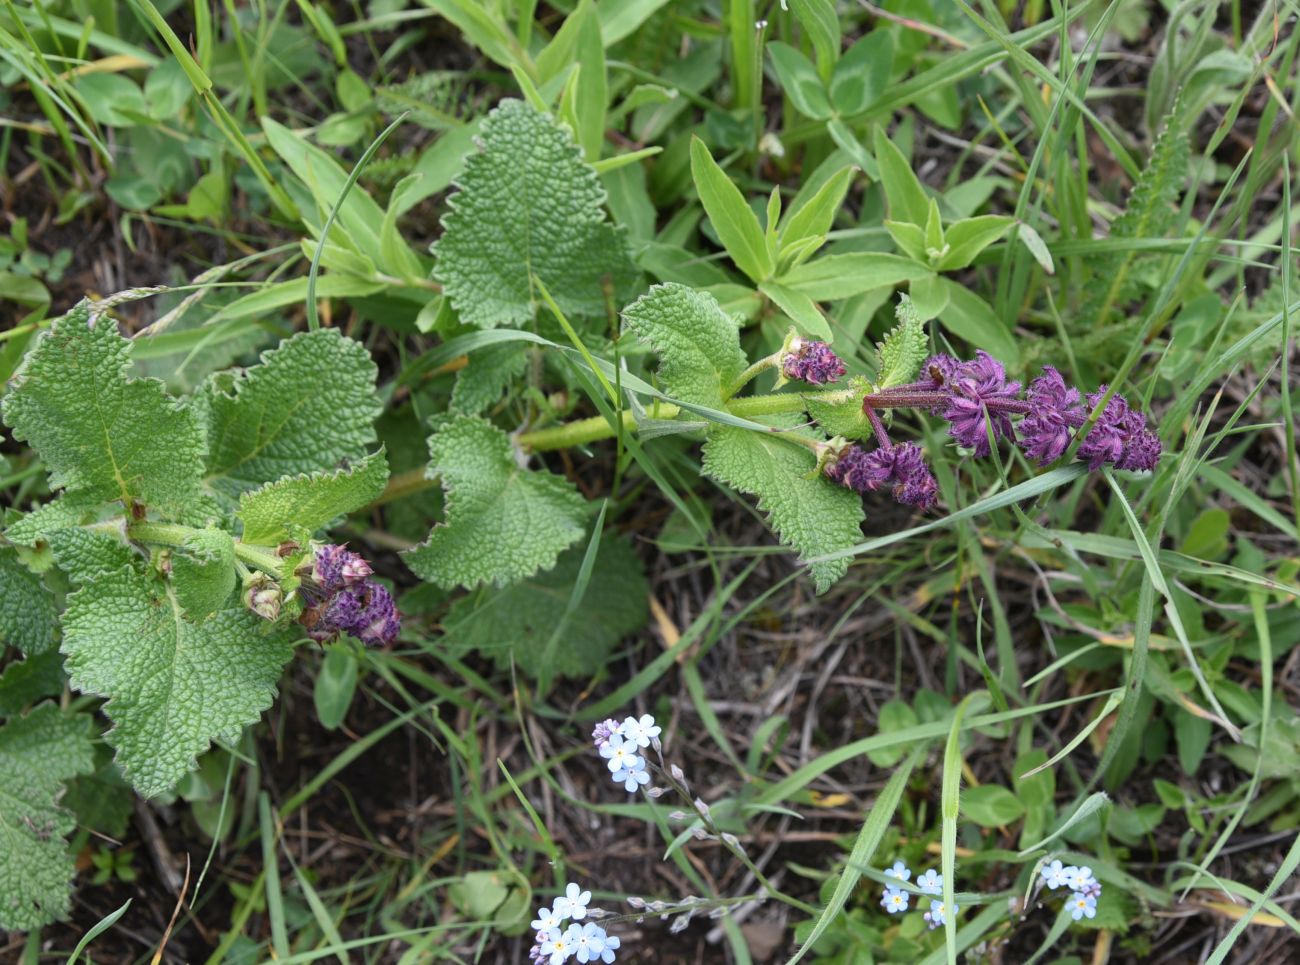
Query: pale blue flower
x=895 y=900
x=592 y=943
x=930 y=883
x=573 y=903
x=631 y=779
x=936 y=916
x=1081 y=880
x=610 y=945
x=1053 y=874
x=899 y=871
x=621 y=755
x=548 y=920
x=642 y=732
x=1082 y=906
x=560 y=946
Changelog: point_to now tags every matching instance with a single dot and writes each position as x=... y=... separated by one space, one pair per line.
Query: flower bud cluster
x=342 y=598
x=587 y=942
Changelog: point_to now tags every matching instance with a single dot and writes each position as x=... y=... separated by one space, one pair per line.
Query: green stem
x=580 y=432
x=751 y=373
x=583 y=431
x=173 y=534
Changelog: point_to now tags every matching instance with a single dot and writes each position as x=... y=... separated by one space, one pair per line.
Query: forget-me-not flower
x=895 y=900
x=1053 y=874
x=899 y=871
x=1082 y=906
x=930 y=883
x=559 y=946
x=632 y=779
x=573 y=903
x=642 y=732
x=547 y=920
x=936 y=916
x=621 y=754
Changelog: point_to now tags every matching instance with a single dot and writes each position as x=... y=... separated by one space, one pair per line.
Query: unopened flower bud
x=678 y=774
x=731 y=841
x=702 y=809
x=263 y=596
x=654 y=793
x=676 y=815
x=636 y=902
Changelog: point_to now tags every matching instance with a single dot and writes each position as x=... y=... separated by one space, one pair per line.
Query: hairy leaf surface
x=37 y=754
x=203 y=572
x=697 y=342
x=504 y=522
x=518 y=621
x=173 y=686
x=310 y=501
x=27 y=610
x=905 y=347
x=310 y=404
x=528 y=205
x=99 y=433
x=814 y=516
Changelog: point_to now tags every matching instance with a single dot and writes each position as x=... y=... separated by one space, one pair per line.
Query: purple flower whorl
x=901 y=466
x=812 y=362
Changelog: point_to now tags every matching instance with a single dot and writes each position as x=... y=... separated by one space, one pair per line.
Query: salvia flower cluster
x=1079 y=881
x=581 y=941
x=812 y=362
x=621 y=746
x=979 y=404
x=895 y=900
x=342 y=598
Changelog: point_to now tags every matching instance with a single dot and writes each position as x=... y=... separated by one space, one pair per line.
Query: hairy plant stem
x=596 y=428
x=583 y=431
x=173 y=534
x=751 y=373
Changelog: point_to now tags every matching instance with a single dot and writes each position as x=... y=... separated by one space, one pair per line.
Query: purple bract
x=812 y=362
x=901 y=466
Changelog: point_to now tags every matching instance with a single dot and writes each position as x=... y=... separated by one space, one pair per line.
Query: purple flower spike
x=981 y=394
x=901 y=466
x=1120 y=437
x=334 y=567
x=1141 y=445
x=812 y=362
x=855 y=469
x=1055 y=411
x=366 y=612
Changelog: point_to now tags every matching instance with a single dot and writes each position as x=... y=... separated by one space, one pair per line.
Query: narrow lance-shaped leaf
x=99 y=433
x=737 y=227
x=504 y=522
